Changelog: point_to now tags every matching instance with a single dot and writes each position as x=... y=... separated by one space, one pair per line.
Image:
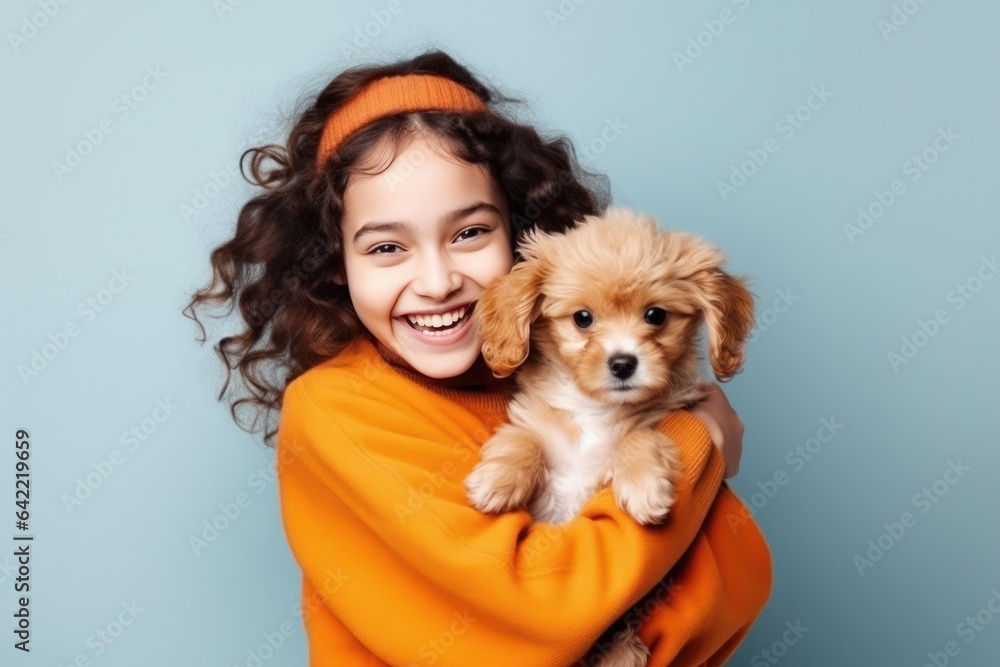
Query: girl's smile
x=422 y=239
x=439 y=333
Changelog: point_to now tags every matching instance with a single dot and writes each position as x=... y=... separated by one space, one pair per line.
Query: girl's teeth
x=439 y=320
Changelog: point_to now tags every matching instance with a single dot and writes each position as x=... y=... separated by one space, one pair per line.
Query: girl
x=402 y=193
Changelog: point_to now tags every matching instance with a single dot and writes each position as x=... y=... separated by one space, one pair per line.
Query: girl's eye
x=473 y=229
x=480 y=230
x=384 y=245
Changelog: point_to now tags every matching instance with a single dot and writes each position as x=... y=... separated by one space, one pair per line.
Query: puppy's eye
x=655 y=316
x=583 y=318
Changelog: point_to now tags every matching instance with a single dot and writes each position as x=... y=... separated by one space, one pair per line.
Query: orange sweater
x=398 y=569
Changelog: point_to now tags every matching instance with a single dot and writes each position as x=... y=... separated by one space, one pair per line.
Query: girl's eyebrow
x=446 y=220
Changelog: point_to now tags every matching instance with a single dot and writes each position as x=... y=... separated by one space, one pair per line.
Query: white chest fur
x=578 y=437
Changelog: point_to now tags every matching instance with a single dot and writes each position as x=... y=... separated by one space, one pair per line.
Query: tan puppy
x=603 y=323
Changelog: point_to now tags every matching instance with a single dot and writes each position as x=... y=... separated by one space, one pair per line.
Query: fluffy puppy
x=602 y=322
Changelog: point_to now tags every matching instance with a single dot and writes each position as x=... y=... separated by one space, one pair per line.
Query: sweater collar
x=477 y=386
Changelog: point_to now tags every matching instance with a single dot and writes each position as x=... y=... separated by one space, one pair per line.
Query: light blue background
x=228 y=80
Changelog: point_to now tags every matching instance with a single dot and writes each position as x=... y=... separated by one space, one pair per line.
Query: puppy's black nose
x=623 y=365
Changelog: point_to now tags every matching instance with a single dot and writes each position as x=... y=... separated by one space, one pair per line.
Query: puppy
x=602 y=322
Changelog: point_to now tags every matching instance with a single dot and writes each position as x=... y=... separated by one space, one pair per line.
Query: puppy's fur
x=582 y=317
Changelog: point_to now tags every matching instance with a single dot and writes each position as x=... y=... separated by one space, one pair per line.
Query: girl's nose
x=438 y=278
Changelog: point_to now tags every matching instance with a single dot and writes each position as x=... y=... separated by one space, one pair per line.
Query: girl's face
x=427 y=235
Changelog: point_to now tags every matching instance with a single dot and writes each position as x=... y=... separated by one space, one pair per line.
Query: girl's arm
x=372 y=500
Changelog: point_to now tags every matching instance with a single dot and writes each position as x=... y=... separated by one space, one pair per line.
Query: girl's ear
x=504 y=312
x=338 y=276
x=728 y=308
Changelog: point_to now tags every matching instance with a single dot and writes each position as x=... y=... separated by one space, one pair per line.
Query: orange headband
x=391 y=95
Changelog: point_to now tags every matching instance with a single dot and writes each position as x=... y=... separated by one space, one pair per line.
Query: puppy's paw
x=645 y=468
x=643 y=481
x=495 y=486
x=624 y=649
x=648 y=497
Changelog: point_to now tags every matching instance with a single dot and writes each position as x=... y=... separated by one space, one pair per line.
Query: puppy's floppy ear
x=505 y=311
x=728 y=308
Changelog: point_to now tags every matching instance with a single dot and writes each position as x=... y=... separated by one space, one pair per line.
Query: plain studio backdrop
x=844 y=155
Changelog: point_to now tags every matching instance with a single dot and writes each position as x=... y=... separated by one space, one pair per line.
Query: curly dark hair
x=287 y=246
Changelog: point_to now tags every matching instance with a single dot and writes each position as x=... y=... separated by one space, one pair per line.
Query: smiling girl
x=401 y=194
x=414 y=263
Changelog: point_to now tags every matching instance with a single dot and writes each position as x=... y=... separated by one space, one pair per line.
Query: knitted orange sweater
x=398 y=569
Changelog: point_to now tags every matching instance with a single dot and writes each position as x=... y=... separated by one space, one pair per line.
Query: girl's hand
x=725 y=426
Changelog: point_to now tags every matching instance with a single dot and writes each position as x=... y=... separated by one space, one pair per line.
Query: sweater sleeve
x=703 y=609
x=423 y=578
